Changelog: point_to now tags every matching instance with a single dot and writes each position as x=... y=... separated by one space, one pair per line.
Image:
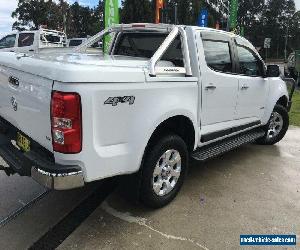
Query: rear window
x=50 y=38
x=25 y=39
x=74 y=43
x=146 y=44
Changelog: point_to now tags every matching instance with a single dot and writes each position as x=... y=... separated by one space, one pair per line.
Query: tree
x=276 y=18
x=134 y=11
x=32 y=14
x=79 y=21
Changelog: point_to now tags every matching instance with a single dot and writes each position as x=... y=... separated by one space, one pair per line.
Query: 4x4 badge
x=115 y=100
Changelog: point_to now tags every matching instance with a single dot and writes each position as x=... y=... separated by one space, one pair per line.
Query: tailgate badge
x=14 y=103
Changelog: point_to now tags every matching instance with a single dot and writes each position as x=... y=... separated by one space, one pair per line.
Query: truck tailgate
x=25 y=103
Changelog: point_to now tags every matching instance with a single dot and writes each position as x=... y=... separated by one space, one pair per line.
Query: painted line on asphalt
x=125 y=216
x=19 y=211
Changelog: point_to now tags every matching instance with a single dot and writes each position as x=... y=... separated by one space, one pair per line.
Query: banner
x=203 y=18
x=159 y=6
x=111 y=16
x=233 y=14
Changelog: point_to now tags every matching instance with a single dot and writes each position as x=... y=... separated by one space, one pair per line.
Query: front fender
x=277 y=90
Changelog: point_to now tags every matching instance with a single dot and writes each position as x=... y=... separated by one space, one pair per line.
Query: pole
x=175 y=14
x=286 y=41
x=228 y=17
x=65 y=23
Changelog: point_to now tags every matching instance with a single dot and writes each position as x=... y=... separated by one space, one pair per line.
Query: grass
x=295 y=111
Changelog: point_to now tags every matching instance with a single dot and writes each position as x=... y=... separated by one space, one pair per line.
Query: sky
x=8 y=6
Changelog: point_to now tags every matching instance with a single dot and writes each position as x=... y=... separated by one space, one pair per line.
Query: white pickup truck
x=161 y=95
x=32 y=41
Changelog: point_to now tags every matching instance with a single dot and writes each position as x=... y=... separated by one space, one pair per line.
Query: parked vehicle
x=163 y=94
x=290 y=67
x=32 y=41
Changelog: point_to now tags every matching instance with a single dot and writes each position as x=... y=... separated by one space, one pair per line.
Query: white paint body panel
x=115 y=137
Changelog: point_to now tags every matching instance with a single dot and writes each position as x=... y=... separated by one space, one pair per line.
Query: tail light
x=66 y=122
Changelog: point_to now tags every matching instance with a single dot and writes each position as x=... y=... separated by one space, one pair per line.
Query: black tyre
x=163 y=171
x=276 y=127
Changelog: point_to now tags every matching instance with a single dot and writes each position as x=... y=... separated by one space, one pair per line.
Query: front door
x=253 y=86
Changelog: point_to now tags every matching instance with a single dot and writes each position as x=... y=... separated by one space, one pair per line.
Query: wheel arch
x=180 y=125
x=278 y=94
x=283 y=101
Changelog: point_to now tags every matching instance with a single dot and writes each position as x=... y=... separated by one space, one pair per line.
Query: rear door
x=253 y=86
x=219 y=84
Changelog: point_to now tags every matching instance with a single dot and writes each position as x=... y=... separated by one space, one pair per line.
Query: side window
x=250 y=65
x=217 y=55
x=8 y=42
x=25 y=39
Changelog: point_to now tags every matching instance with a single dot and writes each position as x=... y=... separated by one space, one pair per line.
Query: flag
x=233 y=14
x=159 y=5
x=111 y=16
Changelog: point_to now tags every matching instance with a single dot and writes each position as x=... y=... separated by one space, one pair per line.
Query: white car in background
x=32 y=41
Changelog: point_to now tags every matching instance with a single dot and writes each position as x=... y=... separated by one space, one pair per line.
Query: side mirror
x=273 y=71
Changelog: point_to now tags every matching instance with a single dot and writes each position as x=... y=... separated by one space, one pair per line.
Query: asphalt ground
x=252 y=190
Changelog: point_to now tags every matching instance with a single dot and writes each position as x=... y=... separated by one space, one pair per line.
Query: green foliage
x=295 y=110
x=33 y=13
x=79 y=21
x=134 y=11
x=84 y=21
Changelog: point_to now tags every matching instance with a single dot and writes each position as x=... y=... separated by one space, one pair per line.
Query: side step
x=221 y=147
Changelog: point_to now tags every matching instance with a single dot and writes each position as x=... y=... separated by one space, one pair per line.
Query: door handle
x=210 y=87
x=244 y=87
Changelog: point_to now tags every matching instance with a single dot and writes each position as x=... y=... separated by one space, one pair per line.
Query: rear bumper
x=56 y=181
x=38 y=163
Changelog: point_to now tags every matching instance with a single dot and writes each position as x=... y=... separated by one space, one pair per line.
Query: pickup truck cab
x=161 y=95
x=32 y=41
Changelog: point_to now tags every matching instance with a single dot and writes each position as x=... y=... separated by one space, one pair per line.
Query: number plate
x=23 y=142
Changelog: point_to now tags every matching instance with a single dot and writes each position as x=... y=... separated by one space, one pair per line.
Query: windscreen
x=146 y=44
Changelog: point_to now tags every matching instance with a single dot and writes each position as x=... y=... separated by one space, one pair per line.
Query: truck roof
x=163 y=27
